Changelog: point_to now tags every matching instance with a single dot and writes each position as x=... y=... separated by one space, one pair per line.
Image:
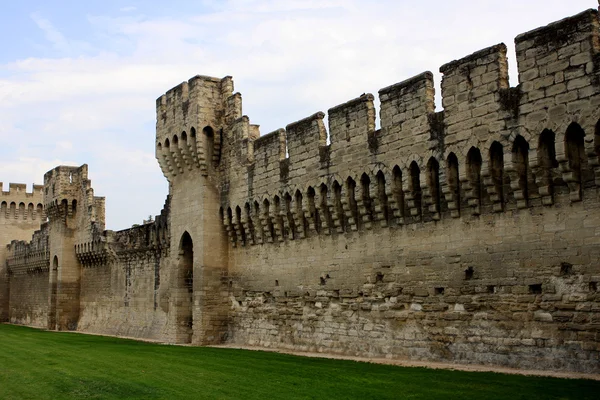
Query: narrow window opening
x=535 y=288
x=520 y=152
x=574 y=146
x=439 y=290
x=469 y=273
x=566 y=268
x=497 y=171
x=474 y=173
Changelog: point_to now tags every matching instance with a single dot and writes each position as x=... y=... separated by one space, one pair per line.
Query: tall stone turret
x=191 y=119
x=73 y=214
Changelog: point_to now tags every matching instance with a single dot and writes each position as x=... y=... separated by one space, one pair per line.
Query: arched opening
x=250 y=222
x=546 y=153
x=415 y=188
x=574 y=149
x=351 y=194
x=211 y=153
x=452 y=177
x=474 y=174
x=433 y=183
x=365 y=183
x=185 y=290
x=302 y=228
x=382 y=196
x=497 y=171
x=53 y=294
x=520 y=153
x=314 y=213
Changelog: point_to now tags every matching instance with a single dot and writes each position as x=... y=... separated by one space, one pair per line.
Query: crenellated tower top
x=189 y=124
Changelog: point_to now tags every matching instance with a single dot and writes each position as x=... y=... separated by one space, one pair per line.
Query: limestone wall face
x=468 y=235
x=29 y=299
x=21 y=213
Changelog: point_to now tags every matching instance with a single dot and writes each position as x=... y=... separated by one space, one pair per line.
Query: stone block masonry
x=469 y=235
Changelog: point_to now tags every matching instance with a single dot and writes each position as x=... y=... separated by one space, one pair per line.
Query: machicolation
x=469 y=235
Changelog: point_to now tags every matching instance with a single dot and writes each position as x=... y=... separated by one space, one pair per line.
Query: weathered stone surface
x=469 y=235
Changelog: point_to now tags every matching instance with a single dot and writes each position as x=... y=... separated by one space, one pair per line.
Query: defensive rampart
x=469 y=235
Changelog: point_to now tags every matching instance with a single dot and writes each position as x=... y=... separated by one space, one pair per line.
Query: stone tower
x=191 y=119
x=73 y=213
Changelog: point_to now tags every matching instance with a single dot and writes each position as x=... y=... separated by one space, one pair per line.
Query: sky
x=79 y=79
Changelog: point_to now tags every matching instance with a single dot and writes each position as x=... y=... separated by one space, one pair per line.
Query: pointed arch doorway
x=185 y=289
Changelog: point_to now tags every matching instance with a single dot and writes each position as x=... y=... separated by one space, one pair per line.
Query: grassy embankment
x=48 y=365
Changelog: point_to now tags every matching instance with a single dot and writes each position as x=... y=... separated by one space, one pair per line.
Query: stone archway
x=185 y=289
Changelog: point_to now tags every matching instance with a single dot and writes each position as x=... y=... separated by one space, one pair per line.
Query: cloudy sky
x=79 y=79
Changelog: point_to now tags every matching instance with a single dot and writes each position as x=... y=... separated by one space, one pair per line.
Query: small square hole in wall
x=469 y=273
x=491 y=289
x=276 y=282
x=535 y=289
x=439 y=290
x=593 y=286
x=379 y=277
x=566 y=268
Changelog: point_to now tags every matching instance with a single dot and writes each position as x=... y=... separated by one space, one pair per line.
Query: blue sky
x=78 y=79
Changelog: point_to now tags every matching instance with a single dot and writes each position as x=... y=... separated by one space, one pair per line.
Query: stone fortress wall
x=470 y=234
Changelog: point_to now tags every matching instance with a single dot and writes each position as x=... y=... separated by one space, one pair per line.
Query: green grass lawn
x=49 y=365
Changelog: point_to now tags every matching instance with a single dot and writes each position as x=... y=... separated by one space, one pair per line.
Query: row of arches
x=21 y=211
x=181 y=151
x=487 y=179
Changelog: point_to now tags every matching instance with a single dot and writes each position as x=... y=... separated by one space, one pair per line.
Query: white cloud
x=95 y=103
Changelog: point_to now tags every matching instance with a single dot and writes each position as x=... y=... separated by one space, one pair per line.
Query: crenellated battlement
x=463 y=235
x=66 y=191
x=29 y=257
x=18 y=204
x=190 y=118
x=493 y=148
